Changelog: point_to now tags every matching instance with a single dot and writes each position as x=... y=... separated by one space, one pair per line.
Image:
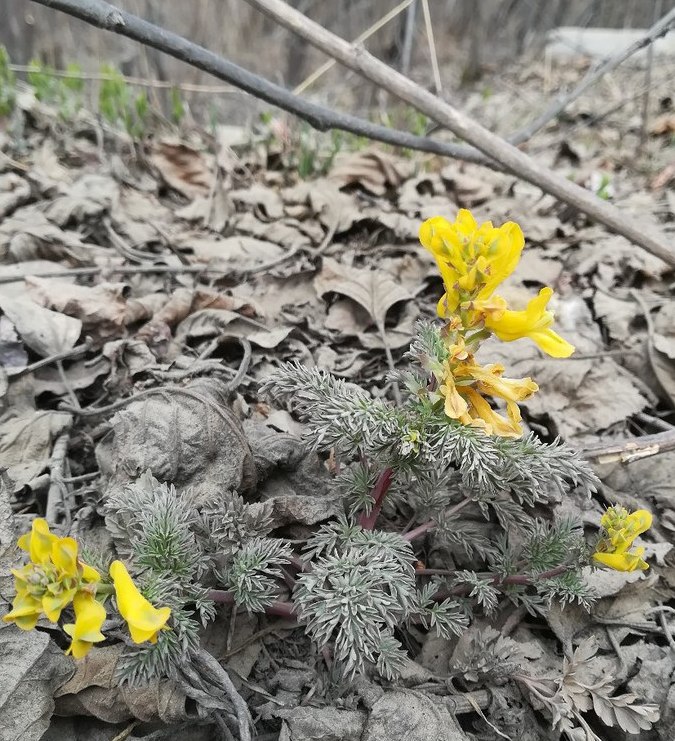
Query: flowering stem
x=378 y=493
x=431 y=524
x=280 y=609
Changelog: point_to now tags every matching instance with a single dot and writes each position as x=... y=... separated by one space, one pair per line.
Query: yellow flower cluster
x=473 y=261
x=55 y=577
x=620 y=528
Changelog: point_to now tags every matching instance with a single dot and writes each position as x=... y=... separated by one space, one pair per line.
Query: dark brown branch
x=359 y=60
x=108 y=17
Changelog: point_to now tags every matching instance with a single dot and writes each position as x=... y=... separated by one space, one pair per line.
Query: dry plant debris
x=148 y=290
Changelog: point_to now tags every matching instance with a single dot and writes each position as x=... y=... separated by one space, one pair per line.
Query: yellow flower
x=89 y=617
x=623 y=561
x=620 y=528
x=48 y=584
x=38 y=542
x=534 y=322
x=473 y=260
x=463 y=386
x=144 y=620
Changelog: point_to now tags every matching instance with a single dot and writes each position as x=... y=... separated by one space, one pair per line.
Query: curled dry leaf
x=14 y=192
x=13 y=357
x=181 y=304
x=94 y=690
x=183 y=168
x=45 y=332
x=90 y=197
x=373 y=170
x=26 y=440
x=212 y=323
x=33 y=666
x=188 y=436
x=240 y=251
x=100 y=308
x=267 y=202
x=28 y=235
x=662 y=350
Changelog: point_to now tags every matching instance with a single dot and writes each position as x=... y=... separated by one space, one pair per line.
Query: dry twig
x=628 y=451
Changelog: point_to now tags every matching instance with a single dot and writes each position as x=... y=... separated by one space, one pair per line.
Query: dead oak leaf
x=374 y=290
x=45 y=332
x=183 y=168
x=100 y=308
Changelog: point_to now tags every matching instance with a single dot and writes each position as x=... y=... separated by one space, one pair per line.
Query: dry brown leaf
x=45 y=332
x=14 y=192
x=93 y=690
x=373 y=290
x=212 y=212
x=28 y=235
x=184 y=302
x=664 y=124
x=267 y=202
x=184 y=168
x=26 y=439
x=100 y=308
x=324 y=199
x=186 y=435
x=372 y=169
x=286 y=232
x=13 y=356
x=468 y=190
x=90 y=197
x=211 y=323
x=240 y=251
x=32 y=668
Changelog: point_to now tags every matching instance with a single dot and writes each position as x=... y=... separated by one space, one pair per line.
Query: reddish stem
x=280 y=609
x=378 y=493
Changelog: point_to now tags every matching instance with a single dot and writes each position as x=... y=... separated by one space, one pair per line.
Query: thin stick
x=311 y=79
x=57 y=487
x=117 y=269
x=75 y=352
x=408 y=34
x=648 y=81
x=466 y=128
x=103 y=15
x=628 y=451
x=432 y=46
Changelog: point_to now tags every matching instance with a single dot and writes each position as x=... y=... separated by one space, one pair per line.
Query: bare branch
x=627 y=451
x=108 y=17
x=466 y=128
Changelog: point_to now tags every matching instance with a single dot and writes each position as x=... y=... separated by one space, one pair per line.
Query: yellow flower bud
x=144 y=620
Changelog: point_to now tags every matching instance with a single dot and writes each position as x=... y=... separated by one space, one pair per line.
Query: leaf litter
x=207 y=266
